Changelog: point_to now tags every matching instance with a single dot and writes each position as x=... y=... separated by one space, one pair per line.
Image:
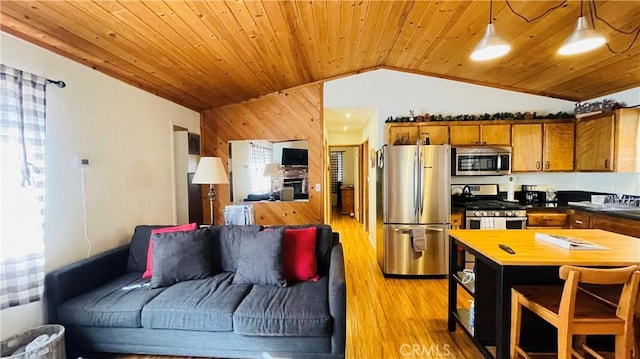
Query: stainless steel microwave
x=480 y=161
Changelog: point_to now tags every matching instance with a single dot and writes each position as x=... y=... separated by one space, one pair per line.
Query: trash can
x=52 y=348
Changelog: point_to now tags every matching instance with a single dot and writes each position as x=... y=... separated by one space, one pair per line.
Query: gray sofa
x=105 y=306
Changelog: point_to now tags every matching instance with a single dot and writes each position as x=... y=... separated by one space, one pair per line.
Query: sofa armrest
x=76 y=278
x=338 y=300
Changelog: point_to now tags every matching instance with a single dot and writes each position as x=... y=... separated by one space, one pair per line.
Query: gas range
x=493 y=208
x=484 y=201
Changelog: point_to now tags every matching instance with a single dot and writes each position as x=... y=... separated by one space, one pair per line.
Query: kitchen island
x=534 y=262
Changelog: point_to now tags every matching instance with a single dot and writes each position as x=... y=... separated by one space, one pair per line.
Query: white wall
x=126 y=133
x=394 y=93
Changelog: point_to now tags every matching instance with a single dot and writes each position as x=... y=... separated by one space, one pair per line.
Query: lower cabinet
x=582 y=219
x=547 y=218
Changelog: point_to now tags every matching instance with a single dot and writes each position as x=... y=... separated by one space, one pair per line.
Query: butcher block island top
x=620 y=250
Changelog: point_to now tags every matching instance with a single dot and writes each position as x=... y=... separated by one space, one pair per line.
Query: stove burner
x=492 y=204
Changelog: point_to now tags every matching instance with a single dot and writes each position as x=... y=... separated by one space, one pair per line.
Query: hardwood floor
x=391 y=318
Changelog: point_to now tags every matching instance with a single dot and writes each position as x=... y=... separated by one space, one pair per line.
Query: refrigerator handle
x=408 y=230
x=416 y=179
x=420 y=183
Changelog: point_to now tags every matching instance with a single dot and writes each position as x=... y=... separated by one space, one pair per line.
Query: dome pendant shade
x=583 y=39
x=491 y=46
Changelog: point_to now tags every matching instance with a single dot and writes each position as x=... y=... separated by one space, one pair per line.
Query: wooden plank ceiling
x=204 y=54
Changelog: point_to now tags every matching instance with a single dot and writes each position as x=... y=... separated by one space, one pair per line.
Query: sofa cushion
x=299 y=310
x=139 y=246
x=180 y=256
x=185 y=227
x=299 y=254
x=260 y=259
x=203 y=304
x=115 y=304
x=226 y=245
x=324 y=243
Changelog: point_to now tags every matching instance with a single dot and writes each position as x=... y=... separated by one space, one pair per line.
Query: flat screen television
x=295 y=157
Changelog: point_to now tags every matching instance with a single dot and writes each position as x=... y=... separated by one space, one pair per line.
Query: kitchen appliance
x=480 y=161
x=484 y=209
x=413 y=209
x=530 y=194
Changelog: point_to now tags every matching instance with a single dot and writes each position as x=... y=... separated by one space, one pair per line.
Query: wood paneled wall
x=289 y=115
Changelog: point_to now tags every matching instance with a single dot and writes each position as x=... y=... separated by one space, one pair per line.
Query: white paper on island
x=567 y=242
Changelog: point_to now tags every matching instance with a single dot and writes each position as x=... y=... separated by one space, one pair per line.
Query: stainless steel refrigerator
x=413 y=209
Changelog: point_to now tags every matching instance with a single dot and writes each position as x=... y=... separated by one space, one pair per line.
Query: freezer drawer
x=400 y=257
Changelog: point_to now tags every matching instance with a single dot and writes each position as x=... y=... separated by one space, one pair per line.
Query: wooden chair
x=577 y=312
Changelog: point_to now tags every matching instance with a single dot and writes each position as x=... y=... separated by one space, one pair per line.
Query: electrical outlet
x=80 y=161
x=317 y=187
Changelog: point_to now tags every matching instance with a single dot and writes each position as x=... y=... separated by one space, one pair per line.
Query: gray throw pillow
x=260 y=259
x=180 y=256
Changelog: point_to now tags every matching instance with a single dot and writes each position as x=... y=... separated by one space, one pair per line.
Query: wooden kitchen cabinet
x=526 y=151
x=578 y=219
x=347 y=201
x=547 y=218
x=615 y=224
x=402 y=133
x=557 y=146
x=437 y=134
x=481 y=134
x=540 y=147
x=608 y=142
x=410 y=132
x=582 y=219
x=457 y=216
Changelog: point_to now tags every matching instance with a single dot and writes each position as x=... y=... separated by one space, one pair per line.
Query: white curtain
x=22 y=139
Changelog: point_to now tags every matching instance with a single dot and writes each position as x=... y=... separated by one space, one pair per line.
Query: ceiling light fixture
x=583 y=38
x=345 y=128
x=491 y=46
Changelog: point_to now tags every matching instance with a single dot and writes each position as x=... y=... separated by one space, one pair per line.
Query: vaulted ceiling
x=204 y=54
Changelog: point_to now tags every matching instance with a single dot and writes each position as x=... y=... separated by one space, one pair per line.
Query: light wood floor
x=390 y=318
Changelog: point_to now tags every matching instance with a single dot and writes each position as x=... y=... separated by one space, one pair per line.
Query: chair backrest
x=627 y=276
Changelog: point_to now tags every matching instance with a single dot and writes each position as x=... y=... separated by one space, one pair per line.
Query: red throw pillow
x=299 y=254
x=181 y=228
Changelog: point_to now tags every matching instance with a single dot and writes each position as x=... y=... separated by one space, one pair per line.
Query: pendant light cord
x=491 y=11
x=561 y=4
x=593 y=12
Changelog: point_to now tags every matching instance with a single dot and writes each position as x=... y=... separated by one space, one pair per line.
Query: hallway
x=394 y=318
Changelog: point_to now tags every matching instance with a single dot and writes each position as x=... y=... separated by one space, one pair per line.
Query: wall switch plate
x=317 y=187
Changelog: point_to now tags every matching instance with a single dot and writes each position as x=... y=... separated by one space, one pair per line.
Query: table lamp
x=210 y=171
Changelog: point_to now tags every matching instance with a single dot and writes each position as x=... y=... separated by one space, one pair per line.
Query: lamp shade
x=583 y=39
x=210 y=171
x=271 y=170
x=491 y=46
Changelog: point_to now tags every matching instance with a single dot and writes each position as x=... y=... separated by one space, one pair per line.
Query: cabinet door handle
x=537 y=165
x=548 y=164
x=578 y=222
x=606 y=163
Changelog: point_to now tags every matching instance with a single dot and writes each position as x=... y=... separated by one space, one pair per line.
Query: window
x=260 y=156
x=22 y=136
x=337 y=169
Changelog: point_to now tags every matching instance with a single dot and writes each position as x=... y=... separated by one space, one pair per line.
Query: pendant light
x=583 y=38
x=491 y=46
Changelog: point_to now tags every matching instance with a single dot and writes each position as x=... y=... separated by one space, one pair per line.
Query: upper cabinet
x=409 y=133
x=542 y=147
x=608 y=142
x=437 y=134
x=481 y=134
